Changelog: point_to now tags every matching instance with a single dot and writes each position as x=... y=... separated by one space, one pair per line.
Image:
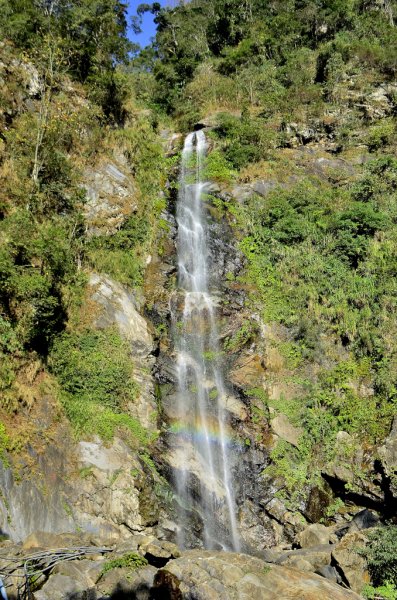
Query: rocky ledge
x=78 y=567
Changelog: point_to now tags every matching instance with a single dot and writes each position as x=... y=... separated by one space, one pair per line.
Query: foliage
x=89 y=38
x=318 y=257
x=122 y=253
x=4 y=444
x=386 y=592
x=380 y=553
x=246 y=141
x=131 y=561
x=94 y=365
x=94 y=371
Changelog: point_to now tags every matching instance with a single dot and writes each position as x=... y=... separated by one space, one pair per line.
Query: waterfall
x=201 y=435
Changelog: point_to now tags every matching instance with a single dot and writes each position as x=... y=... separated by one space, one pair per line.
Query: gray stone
x=364 y=519
x=316 y=556
x=284 y=429
x=111 y=197
x=329 y=573
x=128 y=583
x=314 y=535
x=347 y=560
x=24 y=508
x=264 y=187
x=63 y=587
x=225 y=576
x=110 y=500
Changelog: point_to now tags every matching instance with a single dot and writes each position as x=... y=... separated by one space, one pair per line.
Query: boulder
x=349 y=563
x=284 y=429
x=88 y=572
x=365 y=519
x=316 y=557
x=225 y=576
x=314 y=535
x=63 y=587
x=111 y=498
x=127 y=583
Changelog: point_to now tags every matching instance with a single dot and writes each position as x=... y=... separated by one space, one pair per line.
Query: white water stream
x=201 y=433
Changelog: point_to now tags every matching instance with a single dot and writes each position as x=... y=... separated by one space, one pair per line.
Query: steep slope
x=298 y=104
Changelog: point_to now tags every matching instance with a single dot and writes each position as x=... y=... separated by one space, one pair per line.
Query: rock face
x=111 y=494
x=31 y=504
x=199 y=575
x=117 y=307
x=388 y=455
x=110 y=501
x=110 y=194
x=107 y=490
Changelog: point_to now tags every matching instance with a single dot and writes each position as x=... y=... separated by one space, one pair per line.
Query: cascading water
x=200 y=432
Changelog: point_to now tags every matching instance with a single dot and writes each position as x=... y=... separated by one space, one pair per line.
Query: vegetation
x=68 y=104
x=131 y=561
x=289 y=86
x=320 y=247
x=380 y=553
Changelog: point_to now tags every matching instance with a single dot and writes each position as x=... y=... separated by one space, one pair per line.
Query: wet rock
x=224 y=576
x=284 y=429
x=256 y=532
x=314 y=535
x=184 y=458
x=349 y=563
x=235 y=407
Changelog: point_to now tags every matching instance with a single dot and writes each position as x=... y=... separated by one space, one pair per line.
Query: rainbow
x=200 y=431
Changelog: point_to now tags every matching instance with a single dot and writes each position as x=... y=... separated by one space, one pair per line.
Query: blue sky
x=148 y=27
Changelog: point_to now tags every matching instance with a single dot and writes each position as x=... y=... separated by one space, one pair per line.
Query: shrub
x=94 y=366
x=131 y=560
x=381 y=556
